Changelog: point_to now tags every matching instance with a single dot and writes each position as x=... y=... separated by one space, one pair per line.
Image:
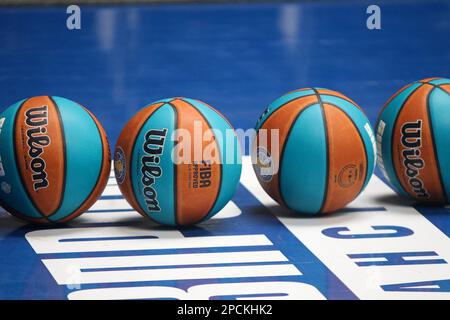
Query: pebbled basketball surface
x=238 y=58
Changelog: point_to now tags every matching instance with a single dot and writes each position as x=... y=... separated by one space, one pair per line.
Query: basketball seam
x=63 y=139
x=442 y=89
x=19 y=173
x=327 y=149
x=335 y=96
x=436 y=85
x=20 y=215
x=430 y=124
x=284 y=104
x=346 y=100
x=434 y=79
x=286 y=139
x=175 y=166
x=220 y=164
x=213 y=109
x=391 y=99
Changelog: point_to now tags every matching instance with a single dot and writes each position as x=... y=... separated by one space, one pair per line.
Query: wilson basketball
x=413 y=133
x=178 y=161
x=55 y=159
x=314 y=151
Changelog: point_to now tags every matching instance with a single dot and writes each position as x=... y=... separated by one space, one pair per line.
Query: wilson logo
x=412 y=161
x=37 y=139
x=151 y=170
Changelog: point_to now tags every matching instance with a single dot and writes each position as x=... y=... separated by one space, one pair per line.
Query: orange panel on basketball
x=204 y=161
x=445 y=87
x=39 y=145
x=347 y=159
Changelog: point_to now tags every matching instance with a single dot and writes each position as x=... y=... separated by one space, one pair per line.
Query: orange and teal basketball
x=178 y=161
x=413 y=137
x=314 y=151
x=55 y=159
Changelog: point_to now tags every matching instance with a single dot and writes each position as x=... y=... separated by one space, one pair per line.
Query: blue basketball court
x=238 y=57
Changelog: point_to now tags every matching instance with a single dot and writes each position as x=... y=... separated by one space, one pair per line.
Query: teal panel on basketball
x=280 y=102
x=440 y=81
x=162 y=169
x=84 y=154
x=230 y=154
x=439 y=111
x=389 y=116
x=304 y=160
x=11 y=177
x=363 y=126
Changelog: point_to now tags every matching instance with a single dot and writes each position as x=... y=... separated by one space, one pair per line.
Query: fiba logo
x=348 y=175
x=120 y=165
x=201 y=175
x=264 y=164
x=37 y=120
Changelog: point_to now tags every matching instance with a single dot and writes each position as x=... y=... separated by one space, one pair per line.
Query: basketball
x=177 y=161
x=55 y=159
x=314 y=150
x=413 y=133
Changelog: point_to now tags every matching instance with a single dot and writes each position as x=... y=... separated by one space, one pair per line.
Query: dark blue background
x=237 y=57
